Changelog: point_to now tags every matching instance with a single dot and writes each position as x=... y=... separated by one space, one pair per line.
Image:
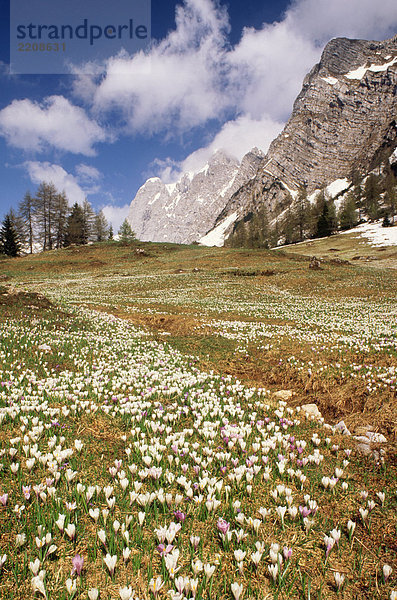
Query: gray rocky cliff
x=184 y=211
x=343 y=118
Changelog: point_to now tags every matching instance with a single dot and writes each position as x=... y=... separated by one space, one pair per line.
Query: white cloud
x=321 y=20
x=258 y=79
x=115 y=215
x=63 y=181
x=87 y=173
x=56 y=122
x=179 y=84
x=267 y=69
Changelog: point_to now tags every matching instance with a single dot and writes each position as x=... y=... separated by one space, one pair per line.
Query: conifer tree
x=327 y=222
x=100 y=228
x=44 y=207
x=356 y=180
x=289 y=227
x=125 y=232
x=19 y=226
x=372 y=197
x=9 y=243
x=75 y=227
x=302 y=213
x=26 y=213
x=391 y=194
x=348 y=212
x=89 y=221
x=61 y=209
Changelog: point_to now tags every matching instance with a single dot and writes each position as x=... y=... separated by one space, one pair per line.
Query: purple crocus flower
x=26 y=489
x=304 y=511
x=223 y=526
x=4 y=499
x=162 y=549
x=77 y=562
x=179 y=516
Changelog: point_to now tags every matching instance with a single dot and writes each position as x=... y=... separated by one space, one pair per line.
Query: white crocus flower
x=71 y=586
x=110 y=562
x=125 y=593
x=34 y=566
x=339 y=579
x=387 y=571
x=237 y=590
x=209 y=570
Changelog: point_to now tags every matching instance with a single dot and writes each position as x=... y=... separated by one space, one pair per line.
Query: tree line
x=374 y=197
x=46 y=222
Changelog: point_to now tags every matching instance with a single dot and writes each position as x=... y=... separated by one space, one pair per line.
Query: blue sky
x=218 y=75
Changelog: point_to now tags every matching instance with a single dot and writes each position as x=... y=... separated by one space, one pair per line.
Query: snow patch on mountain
x=361 y=71
x=216 y=237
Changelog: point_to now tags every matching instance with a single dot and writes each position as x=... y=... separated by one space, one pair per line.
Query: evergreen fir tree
x=9 y=243
x=110 y=232
x=327 y=222
x=19 y=226
x=75 y=227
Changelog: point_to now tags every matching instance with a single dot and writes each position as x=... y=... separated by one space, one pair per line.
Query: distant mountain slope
x=184 y=211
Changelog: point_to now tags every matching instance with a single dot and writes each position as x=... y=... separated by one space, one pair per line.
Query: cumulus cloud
x=63 y=181
x=177 y=85
x=115 y=215
x=193 y=75
x=54 y=123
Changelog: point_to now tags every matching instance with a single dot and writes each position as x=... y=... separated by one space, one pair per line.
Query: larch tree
x=45 y=203
x=26 y=212
x=125 y=232
x=101 y=227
